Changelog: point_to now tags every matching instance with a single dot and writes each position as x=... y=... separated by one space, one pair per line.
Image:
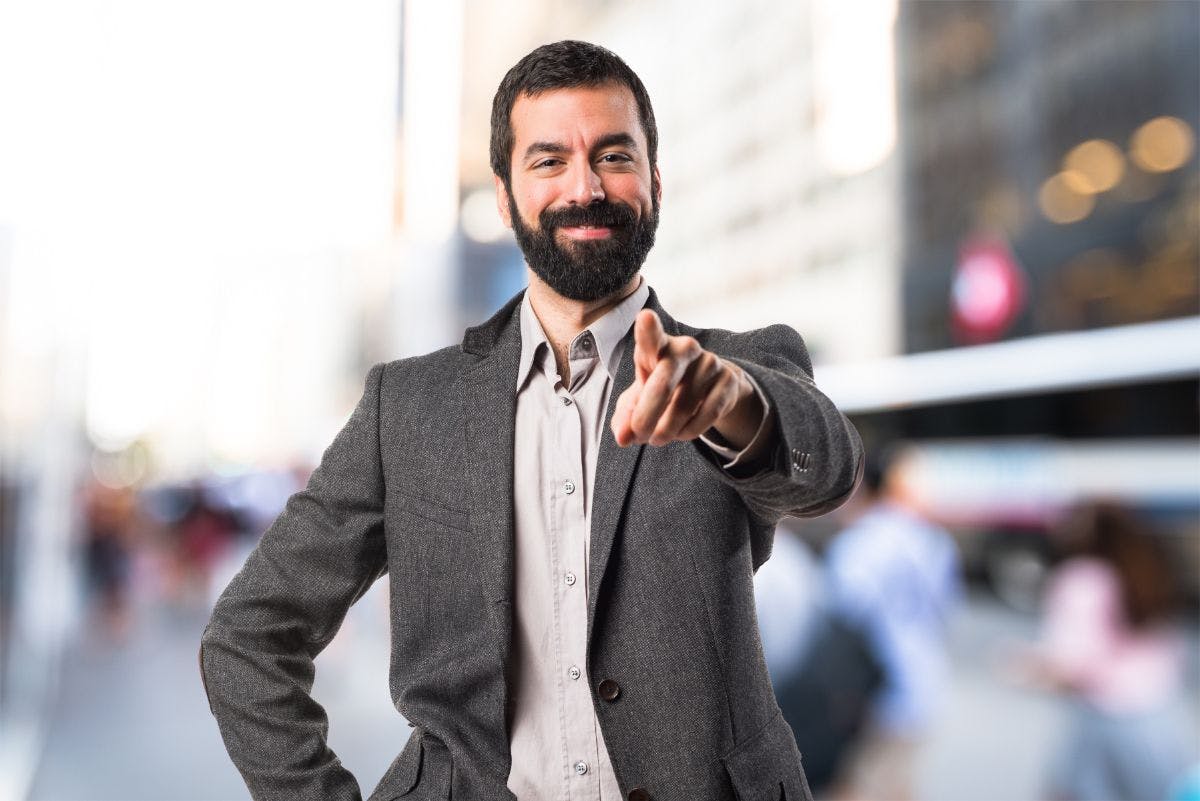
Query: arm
x=815 y=462
x=811 y=460
x=283 y=608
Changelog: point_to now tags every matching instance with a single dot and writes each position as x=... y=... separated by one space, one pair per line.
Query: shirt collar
x=608 y=331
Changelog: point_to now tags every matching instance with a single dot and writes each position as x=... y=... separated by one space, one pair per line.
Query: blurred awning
x=1129 y=354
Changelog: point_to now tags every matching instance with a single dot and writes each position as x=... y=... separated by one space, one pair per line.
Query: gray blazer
x=419 y=484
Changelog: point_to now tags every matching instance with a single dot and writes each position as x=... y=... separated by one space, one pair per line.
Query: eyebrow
x=621 y=139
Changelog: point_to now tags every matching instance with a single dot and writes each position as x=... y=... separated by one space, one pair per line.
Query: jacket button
x=609 y=690
x=639 y=794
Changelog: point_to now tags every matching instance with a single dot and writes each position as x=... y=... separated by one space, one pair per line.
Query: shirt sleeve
x=735 y=458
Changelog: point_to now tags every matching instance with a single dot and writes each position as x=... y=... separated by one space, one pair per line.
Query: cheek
x=533 y=200
x=628 y=187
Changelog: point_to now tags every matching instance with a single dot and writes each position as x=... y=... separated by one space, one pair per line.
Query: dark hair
x=562 y=65
x=1108 y=531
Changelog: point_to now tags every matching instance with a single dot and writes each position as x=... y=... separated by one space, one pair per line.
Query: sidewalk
x=132 y=722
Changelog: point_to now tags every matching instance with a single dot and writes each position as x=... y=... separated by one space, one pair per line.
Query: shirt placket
x=571 y=522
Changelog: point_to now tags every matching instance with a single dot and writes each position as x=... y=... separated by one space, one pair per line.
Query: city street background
x=982 y=215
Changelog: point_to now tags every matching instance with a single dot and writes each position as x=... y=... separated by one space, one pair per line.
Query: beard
x=587 y=270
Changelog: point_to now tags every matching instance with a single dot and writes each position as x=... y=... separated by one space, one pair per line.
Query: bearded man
x=570 y=504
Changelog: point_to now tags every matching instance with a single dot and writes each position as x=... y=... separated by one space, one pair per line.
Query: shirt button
x=574 y=672
x=566 y=401
x=568 y=486
x=570 y=579
x=581 y=767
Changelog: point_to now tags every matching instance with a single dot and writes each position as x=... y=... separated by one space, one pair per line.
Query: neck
x=563 y=318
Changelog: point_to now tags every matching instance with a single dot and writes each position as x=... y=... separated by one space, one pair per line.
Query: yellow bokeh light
x=1162 y=144
x=1061 y=203
x=1079 y=183
x=1094 y=166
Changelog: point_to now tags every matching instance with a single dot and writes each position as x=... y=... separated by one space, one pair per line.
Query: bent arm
x=283 y=608
x=815 y=460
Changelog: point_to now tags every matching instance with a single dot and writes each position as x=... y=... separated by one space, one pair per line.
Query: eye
x=615 y=158
x=550 y=162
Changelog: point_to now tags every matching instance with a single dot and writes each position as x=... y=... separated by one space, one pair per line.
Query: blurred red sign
x=988 y=290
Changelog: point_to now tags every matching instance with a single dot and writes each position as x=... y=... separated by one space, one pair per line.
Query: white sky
x=156 y=156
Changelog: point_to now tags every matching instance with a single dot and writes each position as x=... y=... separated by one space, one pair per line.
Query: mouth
x=586 y=232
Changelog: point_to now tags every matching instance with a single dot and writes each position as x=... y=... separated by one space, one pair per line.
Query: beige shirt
x=557 y=748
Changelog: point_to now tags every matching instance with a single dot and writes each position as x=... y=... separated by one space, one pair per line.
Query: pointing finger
x=649 y=340
x=622 y=431
x=656 y=393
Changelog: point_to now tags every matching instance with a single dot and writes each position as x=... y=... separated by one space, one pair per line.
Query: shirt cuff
x=720 y=446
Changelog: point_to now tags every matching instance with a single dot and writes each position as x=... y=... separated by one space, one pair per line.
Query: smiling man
x=571 y=505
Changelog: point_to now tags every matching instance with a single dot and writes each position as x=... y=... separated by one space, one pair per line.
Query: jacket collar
x=505 y=324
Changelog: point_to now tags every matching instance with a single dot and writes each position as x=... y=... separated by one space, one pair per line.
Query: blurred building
x=41 y=452
x=1063 y=134
x=1051 y=218
x=187 y=247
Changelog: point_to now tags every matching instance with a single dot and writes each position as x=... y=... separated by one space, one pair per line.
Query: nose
x=585 y=186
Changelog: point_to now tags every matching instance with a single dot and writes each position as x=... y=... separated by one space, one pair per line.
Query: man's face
x=583 y=199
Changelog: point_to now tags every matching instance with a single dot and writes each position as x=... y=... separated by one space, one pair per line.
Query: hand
x=681 y=390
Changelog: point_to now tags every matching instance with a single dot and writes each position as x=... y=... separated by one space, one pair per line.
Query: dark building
x=994 y=99
x=1049 y=184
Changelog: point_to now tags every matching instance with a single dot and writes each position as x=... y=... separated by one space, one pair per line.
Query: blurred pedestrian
x=822 y=669
x=787 y=596
x=1108 y=642
x=206 y=534
x=894 y=575
x=108 y=514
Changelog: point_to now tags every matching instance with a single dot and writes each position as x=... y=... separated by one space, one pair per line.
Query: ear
x=502 y=204
x=658 y=184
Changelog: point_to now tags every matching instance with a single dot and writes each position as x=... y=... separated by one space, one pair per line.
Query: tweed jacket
x=419 y=485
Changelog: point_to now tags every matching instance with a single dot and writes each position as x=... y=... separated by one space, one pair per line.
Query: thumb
x=649 y=339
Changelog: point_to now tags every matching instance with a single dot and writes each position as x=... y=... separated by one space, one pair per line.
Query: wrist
x=739 y=425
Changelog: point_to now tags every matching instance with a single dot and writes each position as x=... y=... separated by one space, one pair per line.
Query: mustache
x=599 y=213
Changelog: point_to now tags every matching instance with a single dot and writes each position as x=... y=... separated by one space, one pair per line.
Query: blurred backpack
x=827 y=698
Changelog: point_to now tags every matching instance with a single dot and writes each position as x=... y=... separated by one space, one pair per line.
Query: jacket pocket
x=428 y=510
x=766 y=767
x=420 y=773
x=401 y=776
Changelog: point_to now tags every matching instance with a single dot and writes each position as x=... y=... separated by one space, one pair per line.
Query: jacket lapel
x=614 y=471
x=489 y=402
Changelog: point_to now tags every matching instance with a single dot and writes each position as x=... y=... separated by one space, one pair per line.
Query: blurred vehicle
x=1009 y=436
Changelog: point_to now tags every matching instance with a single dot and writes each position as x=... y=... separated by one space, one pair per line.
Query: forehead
x=563 y=115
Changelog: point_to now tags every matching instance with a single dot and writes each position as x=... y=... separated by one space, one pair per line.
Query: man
x=570 y=505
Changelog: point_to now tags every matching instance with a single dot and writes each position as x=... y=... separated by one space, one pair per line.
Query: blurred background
x=984 y=217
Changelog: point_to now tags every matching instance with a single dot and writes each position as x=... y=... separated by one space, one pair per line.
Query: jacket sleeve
x=283 y=608
x=817 y=460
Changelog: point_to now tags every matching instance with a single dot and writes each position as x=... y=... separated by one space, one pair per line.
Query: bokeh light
x=1093 y=167
x=1061 y=202
x=1163 y=144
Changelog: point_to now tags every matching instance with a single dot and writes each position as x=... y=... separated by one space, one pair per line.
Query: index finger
x=649 y=341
